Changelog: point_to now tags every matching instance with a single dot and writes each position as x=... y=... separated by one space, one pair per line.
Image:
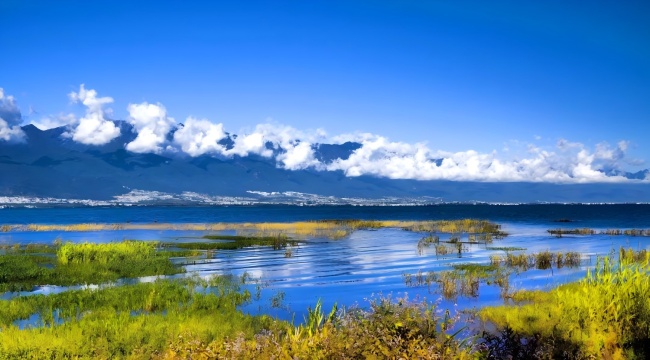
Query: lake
x=349 y=270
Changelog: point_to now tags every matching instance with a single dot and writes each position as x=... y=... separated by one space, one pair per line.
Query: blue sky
x=457 y=75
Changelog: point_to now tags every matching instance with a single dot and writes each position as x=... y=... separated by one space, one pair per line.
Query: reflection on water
x=351 y=269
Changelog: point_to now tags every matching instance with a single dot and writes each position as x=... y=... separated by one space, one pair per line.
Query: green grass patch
x=137 y=320
x=84 y=263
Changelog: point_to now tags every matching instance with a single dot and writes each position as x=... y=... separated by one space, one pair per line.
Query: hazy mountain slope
x=51 y=165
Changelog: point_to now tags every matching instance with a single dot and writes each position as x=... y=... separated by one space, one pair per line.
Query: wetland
x=427 y=282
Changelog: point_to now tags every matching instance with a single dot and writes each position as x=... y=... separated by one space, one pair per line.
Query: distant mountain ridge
x=49 y=164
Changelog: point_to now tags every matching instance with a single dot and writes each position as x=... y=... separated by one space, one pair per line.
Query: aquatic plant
x=134 y=321
x=84 y=263
x=605 y=315
x=441 y=249
x=505 y=248
x=84 y=253
x=463 y=280
x=541 y=260
x=426 y=242
x=611 y=232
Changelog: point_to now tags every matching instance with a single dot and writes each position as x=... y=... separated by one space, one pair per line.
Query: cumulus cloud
x=200 y=136
x=93 y=128
x=293 y=148
x=10 y=119
x=152 y=124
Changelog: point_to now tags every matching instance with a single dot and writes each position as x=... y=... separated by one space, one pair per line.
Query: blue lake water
x=350 y=270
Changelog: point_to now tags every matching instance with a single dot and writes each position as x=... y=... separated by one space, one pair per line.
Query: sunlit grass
x=334 y=229
x=605 y=315
x=22 y=267
x=587 y=231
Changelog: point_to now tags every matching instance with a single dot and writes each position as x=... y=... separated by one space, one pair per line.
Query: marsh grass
x=542 y=260
x=426 y=243
x=463 y=280
x=136 y=321
x=332 y=229
x=605 y=315
x=611 y=232
x=505 y=248
x=22 y=268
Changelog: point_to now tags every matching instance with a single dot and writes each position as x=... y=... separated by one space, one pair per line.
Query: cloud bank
x=293 y=149
x=10 y=119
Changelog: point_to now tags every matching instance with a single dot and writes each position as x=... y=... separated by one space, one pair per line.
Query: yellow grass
x=320 y=228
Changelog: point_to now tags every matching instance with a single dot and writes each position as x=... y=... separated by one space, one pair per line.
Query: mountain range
x=49 y=164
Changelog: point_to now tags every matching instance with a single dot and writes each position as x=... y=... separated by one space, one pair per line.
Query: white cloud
x=54 y=121
x=200 y=136
x=298 y=157
x=293 y=148
x=10 y=119
x=93 y=128
x=572 y=163
x=152 y=124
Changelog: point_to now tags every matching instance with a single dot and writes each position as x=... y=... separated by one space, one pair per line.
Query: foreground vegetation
x=137 y=321
x=606 y=315
x=197 y=318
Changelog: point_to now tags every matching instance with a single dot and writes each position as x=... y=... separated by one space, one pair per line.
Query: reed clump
x=611 y=232
x=426 y=243
x=463 y=280
x=630 y=256
x=542 y=260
